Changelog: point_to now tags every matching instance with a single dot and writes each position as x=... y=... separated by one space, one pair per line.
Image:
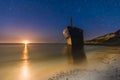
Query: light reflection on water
x=25 y=64
x=25 y=53
x=25 y=71
x=40 y=61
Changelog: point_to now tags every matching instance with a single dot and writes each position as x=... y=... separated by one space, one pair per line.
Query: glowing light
x=26 y=42
x=25 y=53
x=25 y=70
x=25 y=66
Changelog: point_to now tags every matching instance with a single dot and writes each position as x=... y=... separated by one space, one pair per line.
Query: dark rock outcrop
x=108 y=39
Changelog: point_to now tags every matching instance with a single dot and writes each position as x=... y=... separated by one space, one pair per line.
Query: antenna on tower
x=70 y=21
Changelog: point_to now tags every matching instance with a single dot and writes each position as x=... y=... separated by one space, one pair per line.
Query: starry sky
x=44 y=20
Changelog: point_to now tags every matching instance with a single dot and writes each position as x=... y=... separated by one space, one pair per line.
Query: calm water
x=39 y=62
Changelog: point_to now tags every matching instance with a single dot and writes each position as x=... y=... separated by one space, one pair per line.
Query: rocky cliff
x=108 y=39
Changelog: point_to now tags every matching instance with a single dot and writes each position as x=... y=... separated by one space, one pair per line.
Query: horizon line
x=31 y=43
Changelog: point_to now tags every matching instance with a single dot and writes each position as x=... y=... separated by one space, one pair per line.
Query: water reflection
x=25 y=69
x=75 y=55
x=25 y=53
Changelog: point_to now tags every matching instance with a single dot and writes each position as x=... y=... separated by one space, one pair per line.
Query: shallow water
x=39 y=62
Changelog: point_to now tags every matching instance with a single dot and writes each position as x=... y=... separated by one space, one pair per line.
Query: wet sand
x=103 y=63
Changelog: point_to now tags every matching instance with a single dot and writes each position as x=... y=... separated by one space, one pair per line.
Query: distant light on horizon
x=26 y=42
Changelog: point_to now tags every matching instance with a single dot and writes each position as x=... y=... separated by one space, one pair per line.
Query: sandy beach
x=101 y=64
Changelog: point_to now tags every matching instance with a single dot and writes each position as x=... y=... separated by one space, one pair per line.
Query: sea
x=49 y=61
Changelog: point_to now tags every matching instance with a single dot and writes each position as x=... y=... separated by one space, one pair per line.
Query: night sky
x=44 y=20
